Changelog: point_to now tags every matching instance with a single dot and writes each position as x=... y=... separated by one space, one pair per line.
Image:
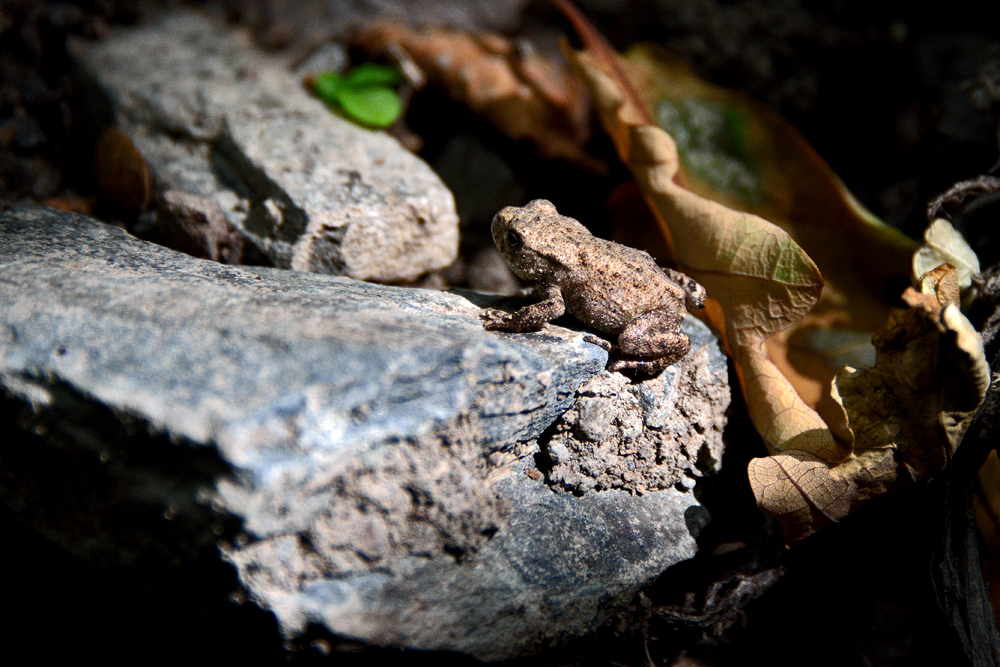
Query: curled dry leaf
x=741 y=153
x=762 y=285
x=943 y=243
x=941 y=283
x=121 y=174
x=72 y=203
x=759 y=280
x=524 y=94
x=907 y=415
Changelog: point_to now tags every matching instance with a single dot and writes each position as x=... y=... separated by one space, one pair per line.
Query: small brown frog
x=613 y=288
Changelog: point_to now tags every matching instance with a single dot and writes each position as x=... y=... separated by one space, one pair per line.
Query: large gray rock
x=367 y=458
x=218 y=119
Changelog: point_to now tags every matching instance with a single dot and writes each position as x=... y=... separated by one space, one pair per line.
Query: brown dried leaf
x=739 y=152
x=929 y=377
x=930 y=366
x=804 y=492
x=758 y=279
x=121 y=174
x=72 y=203
x=907 y=415
x=942 y=284
x=524 y=94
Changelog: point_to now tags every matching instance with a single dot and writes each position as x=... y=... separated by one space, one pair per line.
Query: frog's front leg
x=529 y=318
x=651 y=342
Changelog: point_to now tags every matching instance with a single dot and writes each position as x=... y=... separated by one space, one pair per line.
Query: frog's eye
x=514 y=239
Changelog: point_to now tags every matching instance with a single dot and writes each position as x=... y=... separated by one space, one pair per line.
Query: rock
x=366 y=458
x=217 y=119
x=651 y=435
x=326 y=57
x=195 y=225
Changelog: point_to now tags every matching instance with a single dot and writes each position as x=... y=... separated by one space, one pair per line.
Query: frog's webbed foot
x=529 y=318
x=496 y=320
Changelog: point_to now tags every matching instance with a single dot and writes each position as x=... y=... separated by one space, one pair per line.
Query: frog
x=614 y=289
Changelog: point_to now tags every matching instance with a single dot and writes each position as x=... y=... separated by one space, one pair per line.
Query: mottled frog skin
x=612 y=288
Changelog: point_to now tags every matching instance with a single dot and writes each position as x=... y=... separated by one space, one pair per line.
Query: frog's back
x=614 y=284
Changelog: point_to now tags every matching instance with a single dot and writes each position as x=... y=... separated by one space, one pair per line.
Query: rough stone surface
x=195 y=225
x=365 y=457
x=311 y=191
x=646 y=436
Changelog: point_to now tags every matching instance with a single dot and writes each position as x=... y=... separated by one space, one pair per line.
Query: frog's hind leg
x=651 y=342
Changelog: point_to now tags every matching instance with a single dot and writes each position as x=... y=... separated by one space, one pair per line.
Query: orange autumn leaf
x=520 y=91
x=121 y=174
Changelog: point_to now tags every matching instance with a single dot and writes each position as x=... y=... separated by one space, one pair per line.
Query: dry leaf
x=741 y=153
x=940 y=283
x=524 y=94
x=759 y=280
x=72 y=203
x=121 y=174
x=907 y=415
x=944 y=244
x=761 y=284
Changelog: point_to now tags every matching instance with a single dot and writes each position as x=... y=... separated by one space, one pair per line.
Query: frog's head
x=533 y=238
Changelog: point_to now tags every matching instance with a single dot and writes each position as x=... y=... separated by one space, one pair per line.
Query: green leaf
x=327 y=86
x=375 y=106
x=368 y=74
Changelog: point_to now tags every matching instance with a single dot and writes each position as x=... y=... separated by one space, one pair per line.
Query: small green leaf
x=376 y=106
x=327 y=86
x=368 y=74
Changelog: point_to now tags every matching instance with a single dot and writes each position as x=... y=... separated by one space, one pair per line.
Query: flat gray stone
x=365 y=457
x=216 y=118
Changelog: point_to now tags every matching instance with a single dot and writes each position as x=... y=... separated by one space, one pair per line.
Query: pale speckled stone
x=215 y=117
